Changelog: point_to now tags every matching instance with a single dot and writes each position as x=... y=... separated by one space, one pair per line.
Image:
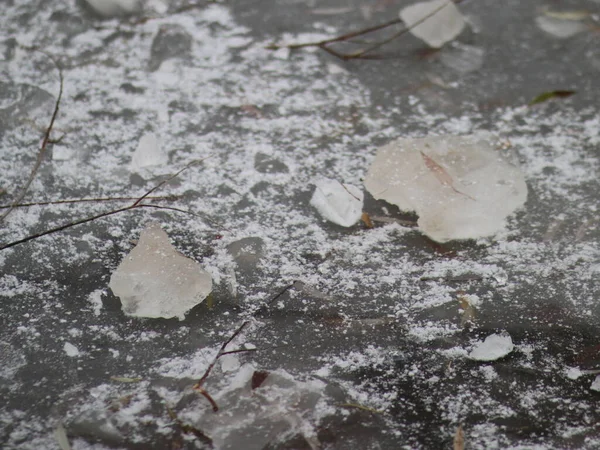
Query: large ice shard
x=339 y=203
x=435 y=22
x=462 y=187
x=155 y=280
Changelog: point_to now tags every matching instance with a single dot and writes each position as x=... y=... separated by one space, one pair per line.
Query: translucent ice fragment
x=462 y=187
x=155 y=280
x=339 y=203
x=559 y=27
x=595 y=386
x=148 y=153
x=439 y=21
x=113 y=8
x=494 y=347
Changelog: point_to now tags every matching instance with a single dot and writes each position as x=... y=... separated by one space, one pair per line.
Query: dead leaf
x=252 y=111
x=126 y=379
x=367 y=220
x=441 y=174
x=567 y=15
x=258 y=378
x=459 y=439
x=549 y=95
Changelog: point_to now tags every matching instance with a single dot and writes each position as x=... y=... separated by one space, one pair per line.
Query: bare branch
x=42 y=150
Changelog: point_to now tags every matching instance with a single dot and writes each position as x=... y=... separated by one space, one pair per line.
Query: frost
x=339 y=203
x=446 y=21
x=155 y=280
x=71 y=350
x=113 y=8
x=460 y=186
x=494 y=347
x=148 y=153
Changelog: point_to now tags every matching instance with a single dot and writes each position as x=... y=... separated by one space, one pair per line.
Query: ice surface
x=113 y=8
x=443 y=26
x=494 y=347
x=339 y=203
x=155 y=280
x=148 y=153
x=462 y=187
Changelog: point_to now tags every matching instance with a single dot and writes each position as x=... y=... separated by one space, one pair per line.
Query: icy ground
x=369 y=345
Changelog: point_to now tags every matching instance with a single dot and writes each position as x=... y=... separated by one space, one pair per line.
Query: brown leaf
x=367 y=220
x=459 y=439
x=258 y=378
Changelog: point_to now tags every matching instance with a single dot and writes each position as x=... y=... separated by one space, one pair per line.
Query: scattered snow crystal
x=339 y=203
x=494 y=347
x=155 y=280
x=460 y=186
x=443 y=25
x=148 y=153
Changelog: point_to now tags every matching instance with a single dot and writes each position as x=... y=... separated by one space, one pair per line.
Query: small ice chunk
x=559 y=27
x=114 y=8
x=445 y=24
x=155 y=280
x=595 y=386
x=71 y=350
x=339 y=203
x=494 y=347
x=148 y=153
x=573 y=373
x=461 y=187
x=462 y=58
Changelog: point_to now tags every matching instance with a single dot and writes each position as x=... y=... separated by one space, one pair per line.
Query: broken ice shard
x=435 y=22
x=494 y=347
x=155 y=280
x=339 y=203
x=461 y=187
x=148 y=153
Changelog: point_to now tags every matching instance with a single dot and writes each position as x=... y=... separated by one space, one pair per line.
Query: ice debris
x=114 y=8
x=461 y=187
x=595 y=386
x=71 y=350
x=439 y=21
x=155 y=280
x=339 y=203
x=560 y=27
x=148 y=153
x=494 y=347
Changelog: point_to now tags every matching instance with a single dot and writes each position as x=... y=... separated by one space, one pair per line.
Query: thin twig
x=42 y=150
x=362 y=54
x=198 y=387
x=87 y=200
x=134 y=205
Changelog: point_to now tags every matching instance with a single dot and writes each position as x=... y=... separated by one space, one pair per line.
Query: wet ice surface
x=369 y=346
